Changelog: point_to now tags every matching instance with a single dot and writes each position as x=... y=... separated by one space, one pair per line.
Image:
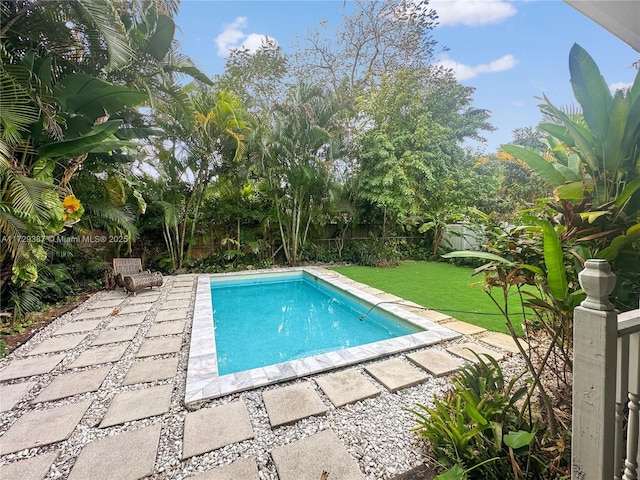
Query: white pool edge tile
x=203 y=381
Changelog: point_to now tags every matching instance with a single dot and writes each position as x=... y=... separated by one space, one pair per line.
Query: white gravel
x=376 y=432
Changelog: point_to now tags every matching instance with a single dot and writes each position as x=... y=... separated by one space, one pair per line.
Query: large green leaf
x=455 y=473
x=591 y=91
x=611 y=252
x=83 y=144
x=538 y=164
x=187 y=68
x=554 y=261
x=90 y=96
x=570 y=191
x=106 y=20
x=627 y=192
x=614 y=150
x=519 y=439
x=160 y=42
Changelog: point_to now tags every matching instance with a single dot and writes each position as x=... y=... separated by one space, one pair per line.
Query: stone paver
x=166 y=328
x=114 y=336
x=10 y=395
x=96 y=356
x=137 y=404
x=436 y=362
x=179 y=296
x=465 y=350
x=136 y=308
x=109 y=303
x=143 y=299
x=159 y=346
x=118 y=293
x=286 y=405
x=185 y=289
x=175 y=304
x=127 y=320
x=346 y=387
x=151 y=370
x=212 y=428
x=30 y=366
x=166 y=315
x=43 y=427
x=464 y=327
x=58 y=344
x=34 y=468
x=77 y=327
x=73 y=383
x=126 y=456
x=100 y=313
x=395 y=374
x=306 y=459
x=503 y=342
x=243 y=469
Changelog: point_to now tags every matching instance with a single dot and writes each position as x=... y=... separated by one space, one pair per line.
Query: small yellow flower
x=70 y=204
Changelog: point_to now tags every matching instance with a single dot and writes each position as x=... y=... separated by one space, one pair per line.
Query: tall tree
x=375 y=38
x=300 y=148
x=408 y=153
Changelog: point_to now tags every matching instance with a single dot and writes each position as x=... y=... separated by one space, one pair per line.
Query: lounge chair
x=128 y=274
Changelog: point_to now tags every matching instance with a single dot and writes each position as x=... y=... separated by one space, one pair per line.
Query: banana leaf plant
x=593 y=160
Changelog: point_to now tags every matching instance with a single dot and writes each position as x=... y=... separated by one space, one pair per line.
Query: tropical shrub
x=477 y=429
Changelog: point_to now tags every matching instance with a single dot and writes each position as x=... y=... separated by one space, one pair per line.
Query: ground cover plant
x=439 y=286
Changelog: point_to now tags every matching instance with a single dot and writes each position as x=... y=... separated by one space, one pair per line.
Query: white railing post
x=595 y=335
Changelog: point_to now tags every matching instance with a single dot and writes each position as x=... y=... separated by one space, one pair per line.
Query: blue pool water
x=273 y=319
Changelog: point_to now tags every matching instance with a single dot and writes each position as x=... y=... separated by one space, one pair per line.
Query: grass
x=439 y=286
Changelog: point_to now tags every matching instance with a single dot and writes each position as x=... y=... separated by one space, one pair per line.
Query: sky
x=510 y=51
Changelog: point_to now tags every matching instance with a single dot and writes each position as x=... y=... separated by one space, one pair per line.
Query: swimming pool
x=274 y=318
x=207 y=372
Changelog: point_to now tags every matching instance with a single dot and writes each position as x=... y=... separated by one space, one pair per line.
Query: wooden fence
x=606 y=382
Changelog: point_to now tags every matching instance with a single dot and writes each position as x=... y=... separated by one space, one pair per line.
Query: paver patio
x=126 y=456
x=58 y=344
x=143 y=371
x=42 y=427
x=212 y=428
x=466 y=351
x=73 y=383
x=287 y=405
x=395 y=374
x=10 y=395
x=30 y=469
x=306 y=459
x=137 y=404
x=30 y=367
x=348 y=386
x=144 y=378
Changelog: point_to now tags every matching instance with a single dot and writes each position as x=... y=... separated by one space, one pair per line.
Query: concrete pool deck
x=100 y=393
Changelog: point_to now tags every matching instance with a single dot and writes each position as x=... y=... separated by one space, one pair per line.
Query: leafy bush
x=477 y=431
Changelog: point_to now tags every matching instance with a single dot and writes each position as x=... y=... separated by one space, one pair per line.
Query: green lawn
x=438 y=286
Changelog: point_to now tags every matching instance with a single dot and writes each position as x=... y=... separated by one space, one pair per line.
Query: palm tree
x=300 y=149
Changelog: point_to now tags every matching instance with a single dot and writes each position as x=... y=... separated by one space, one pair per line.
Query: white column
x=595 y=334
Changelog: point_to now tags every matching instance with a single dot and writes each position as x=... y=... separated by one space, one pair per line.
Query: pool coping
x=204 y=383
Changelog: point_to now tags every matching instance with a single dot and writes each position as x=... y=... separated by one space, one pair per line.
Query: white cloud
x=619 y=86
x=472 y=12
x=233 y=37
x=466 y=72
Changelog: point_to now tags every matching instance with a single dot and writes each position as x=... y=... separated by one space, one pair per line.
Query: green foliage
x=477 y=430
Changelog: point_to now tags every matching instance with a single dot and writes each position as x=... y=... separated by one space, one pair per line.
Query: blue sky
x=510 y=51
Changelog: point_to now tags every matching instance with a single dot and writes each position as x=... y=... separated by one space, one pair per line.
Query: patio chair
x=129 y=275
x=126 y=266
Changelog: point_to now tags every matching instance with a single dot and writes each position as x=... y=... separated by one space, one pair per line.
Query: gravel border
x=376 y=431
